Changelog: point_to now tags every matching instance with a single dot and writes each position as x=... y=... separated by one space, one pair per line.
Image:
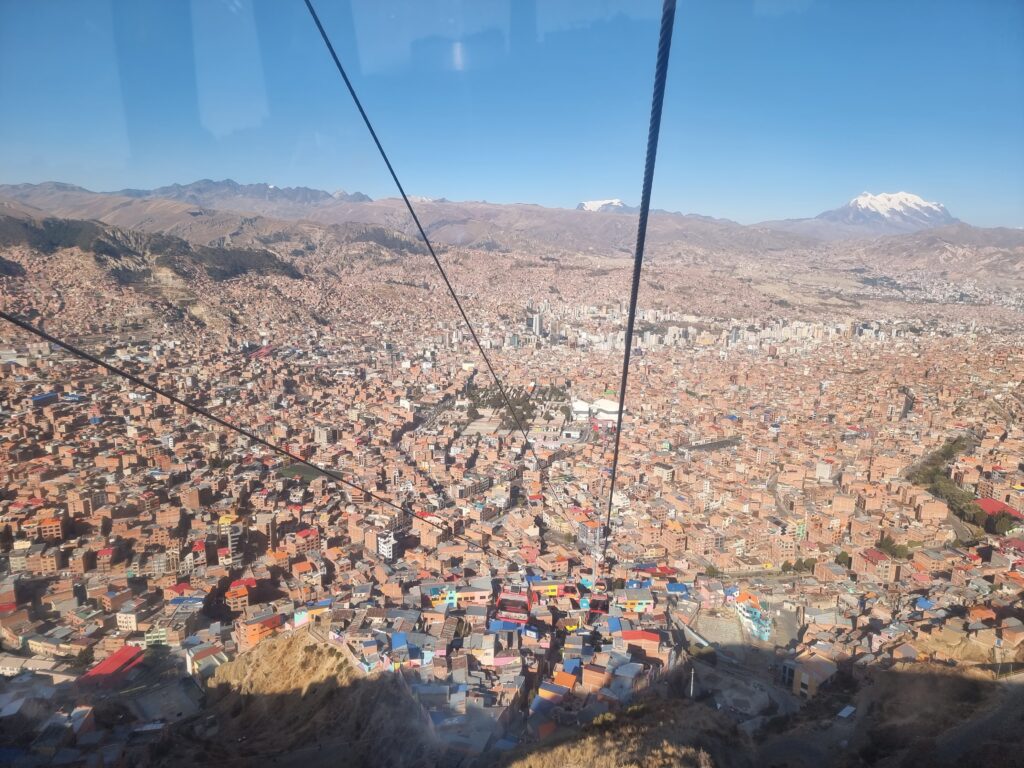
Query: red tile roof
x=874 y=556
x=640 y=634
x=994 y=507
x=115 y=665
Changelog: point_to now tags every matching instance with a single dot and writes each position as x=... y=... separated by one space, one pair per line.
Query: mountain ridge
x=208 y=192
x=454 y=223
x=955 y=248
x=132 y=255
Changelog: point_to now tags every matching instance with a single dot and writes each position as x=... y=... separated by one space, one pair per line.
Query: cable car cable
x=419 y=226
x=668 y=13
x=198 y=409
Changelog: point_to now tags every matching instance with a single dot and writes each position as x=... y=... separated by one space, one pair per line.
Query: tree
x=888 y=545
x=787 y=567
x=85 y=658
x=978 y=516
x=1003 y=523
x=712 y=571
x=844 y=559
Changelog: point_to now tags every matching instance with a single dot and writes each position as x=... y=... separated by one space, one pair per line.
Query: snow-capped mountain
x=604 y=206
x=900 y=211
x=869 y=216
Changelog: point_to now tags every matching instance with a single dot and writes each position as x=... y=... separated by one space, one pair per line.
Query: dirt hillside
x=295 y=701
x=658 y=734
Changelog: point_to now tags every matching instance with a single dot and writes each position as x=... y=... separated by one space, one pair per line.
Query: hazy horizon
x=448 y=199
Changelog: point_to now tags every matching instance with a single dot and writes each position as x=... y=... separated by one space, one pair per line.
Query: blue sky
x=774 y=108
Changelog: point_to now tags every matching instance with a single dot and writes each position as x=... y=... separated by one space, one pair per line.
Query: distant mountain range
x=131 y=256
x=211 y=193
x=865 y=216
x=906 y=229
x=205 y=211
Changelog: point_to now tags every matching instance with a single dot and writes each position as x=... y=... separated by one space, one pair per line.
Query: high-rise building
x=389 y=547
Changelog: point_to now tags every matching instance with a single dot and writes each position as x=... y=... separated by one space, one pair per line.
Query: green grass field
x=301 y=470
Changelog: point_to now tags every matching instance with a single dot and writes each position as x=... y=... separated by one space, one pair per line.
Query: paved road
x=435 y=412
x=963 y=531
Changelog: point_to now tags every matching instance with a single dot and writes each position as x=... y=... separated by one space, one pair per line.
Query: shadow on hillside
x=909 y=715
x=914 y=716
x=331 y=721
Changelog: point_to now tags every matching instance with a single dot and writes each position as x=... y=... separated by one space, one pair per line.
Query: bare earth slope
x=296 y=701
x=657 y=734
